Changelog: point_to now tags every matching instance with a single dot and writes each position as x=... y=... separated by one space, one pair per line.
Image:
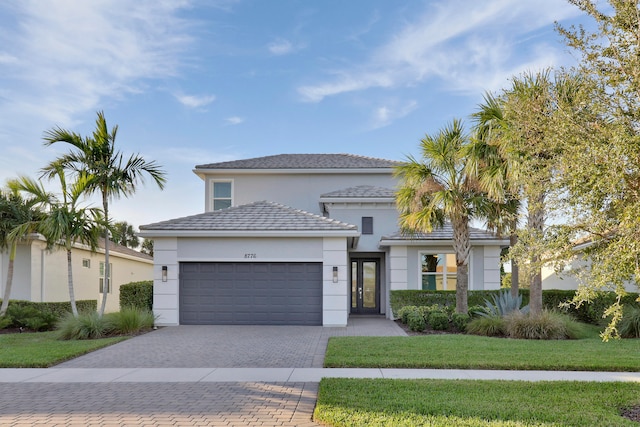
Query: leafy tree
x=147 y=247
x=105 y=168
x=603 y=194
x=436 y=188
x=65 y=223
x=19 y=218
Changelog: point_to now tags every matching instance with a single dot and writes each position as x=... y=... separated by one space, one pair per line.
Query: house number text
x=250 y=255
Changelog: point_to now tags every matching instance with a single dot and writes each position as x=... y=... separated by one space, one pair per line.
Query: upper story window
x=367 y=225
x=438 y=271
x=222 y=195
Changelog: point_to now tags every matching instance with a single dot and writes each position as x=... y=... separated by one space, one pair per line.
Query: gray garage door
x=250 y=293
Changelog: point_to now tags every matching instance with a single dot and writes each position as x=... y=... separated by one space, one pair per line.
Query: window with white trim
x=86 y=263
x=438 y=271
x=101 y=280
x=222 y=194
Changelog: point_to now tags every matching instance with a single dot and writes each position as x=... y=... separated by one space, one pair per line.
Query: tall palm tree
x=65 y=223
x=436 y=188
x=18 y=219
x=489 y=163
x=106 y=170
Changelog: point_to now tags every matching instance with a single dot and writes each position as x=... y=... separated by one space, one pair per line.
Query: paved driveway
x=187 y=403
x=230 y=346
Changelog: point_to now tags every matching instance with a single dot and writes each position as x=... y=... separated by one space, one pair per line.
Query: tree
x=436 y=188
x=147 y=247
x=124 y=234
x=603 y=194
x=106 y=170
x=65 y=223
x=18 y=219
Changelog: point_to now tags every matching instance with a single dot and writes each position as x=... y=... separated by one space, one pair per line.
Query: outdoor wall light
x=335 y=274
x=164 y=273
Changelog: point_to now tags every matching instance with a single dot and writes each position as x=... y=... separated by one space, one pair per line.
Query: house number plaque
x=250 y=255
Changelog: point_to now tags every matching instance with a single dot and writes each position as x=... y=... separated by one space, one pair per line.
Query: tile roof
x=257 y=216
x=114 y=247
x=305 y=161
x=361 y=191
x=443 y=233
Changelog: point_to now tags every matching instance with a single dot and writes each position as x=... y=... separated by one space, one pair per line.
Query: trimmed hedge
x=551 y=299
x=58 y=309
x=137 y=295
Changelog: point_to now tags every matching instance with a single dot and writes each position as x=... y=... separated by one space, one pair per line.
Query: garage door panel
x=251 y=293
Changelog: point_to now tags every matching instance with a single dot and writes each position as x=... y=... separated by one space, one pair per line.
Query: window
x=221 y=195
x=86 y=263
x=367 y=225
x=438 y=271
x=101 y=280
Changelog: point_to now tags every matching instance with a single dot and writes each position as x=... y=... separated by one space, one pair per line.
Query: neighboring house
x=304 y=239
x=40 y=274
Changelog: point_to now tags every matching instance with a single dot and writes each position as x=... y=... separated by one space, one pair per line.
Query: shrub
x=130 y=320
x=439 y=320
x=487 y=326
x=503 y=304
x=88 y=325
x=460 y=321
x=474 y=310
x=415 y=321
x=403 y=313
x=58 y=309
x=27 y=316
x=630 y=323
x=547 y=325
x=6 y=321
x=137 y=294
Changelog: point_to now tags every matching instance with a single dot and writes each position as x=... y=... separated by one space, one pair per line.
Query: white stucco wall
x=385 y=221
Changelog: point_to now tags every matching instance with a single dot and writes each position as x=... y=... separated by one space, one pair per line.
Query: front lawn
x=475 y=352
x=43 y=349
x=442 y=403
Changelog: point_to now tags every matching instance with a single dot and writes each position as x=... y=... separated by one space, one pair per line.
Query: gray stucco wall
x=385 y=221
x=300 y=191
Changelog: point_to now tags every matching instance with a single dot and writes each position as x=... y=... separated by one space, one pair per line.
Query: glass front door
x=365 y=286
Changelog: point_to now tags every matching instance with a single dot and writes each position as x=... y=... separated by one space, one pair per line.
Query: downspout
x=42 y=274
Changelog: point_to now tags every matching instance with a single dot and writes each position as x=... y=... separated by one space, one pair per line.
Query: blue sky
x=193 y=82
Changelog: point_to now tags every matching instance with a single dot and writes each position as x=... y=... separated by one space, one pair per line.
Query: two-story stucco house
x=303 y=239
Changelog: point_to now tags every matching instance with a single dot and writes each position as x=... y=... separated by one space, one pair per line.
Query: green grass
x=43 y=349
x=475 y=352
x=383 y=402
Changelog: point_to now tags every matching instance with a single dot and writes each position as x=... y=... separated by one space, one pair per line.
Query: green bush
x=439 y=320
x=6 y=321
x=58 y=309
x=475 y=310
x=130 y=320
x=460 y=321
x=502 y=304
x=487 y=326
x=88 y=325
x=547 y=325
x=415 y=321
x=29 y=317
x=137 y=294
x=403 y=313
x=630 y=323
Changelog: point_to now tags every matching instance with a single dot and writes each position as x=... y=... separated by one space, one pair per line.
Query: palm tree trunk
x=72 y=297
x=536 y=224
x=107 y=272
x=462 y=248
x=515 y=279
x=9 y=284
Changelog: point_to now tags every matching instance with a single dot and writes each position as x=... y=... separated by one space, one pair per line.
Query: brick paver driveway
x=188 y=403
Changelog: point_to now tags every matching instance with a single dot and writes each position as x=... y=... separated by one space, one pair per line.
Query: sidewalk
x=288 y=375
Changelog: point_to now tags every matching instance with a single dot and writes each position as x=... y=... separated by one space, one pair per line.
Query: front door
x=365 y=286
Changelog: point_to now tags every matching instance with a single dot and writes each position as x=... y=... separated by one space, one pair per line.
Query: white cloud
x=387 y=114
x=195 y=101
x=235 y=120
x=280 y=47
x=465 y=43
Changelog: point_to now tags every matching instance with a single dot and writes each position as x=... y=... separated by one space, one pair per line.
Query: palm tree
x=437 y=188
x=489 y=163
x=106 y=170
x=18 y=219
x=65 y=223
x=124 y=234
